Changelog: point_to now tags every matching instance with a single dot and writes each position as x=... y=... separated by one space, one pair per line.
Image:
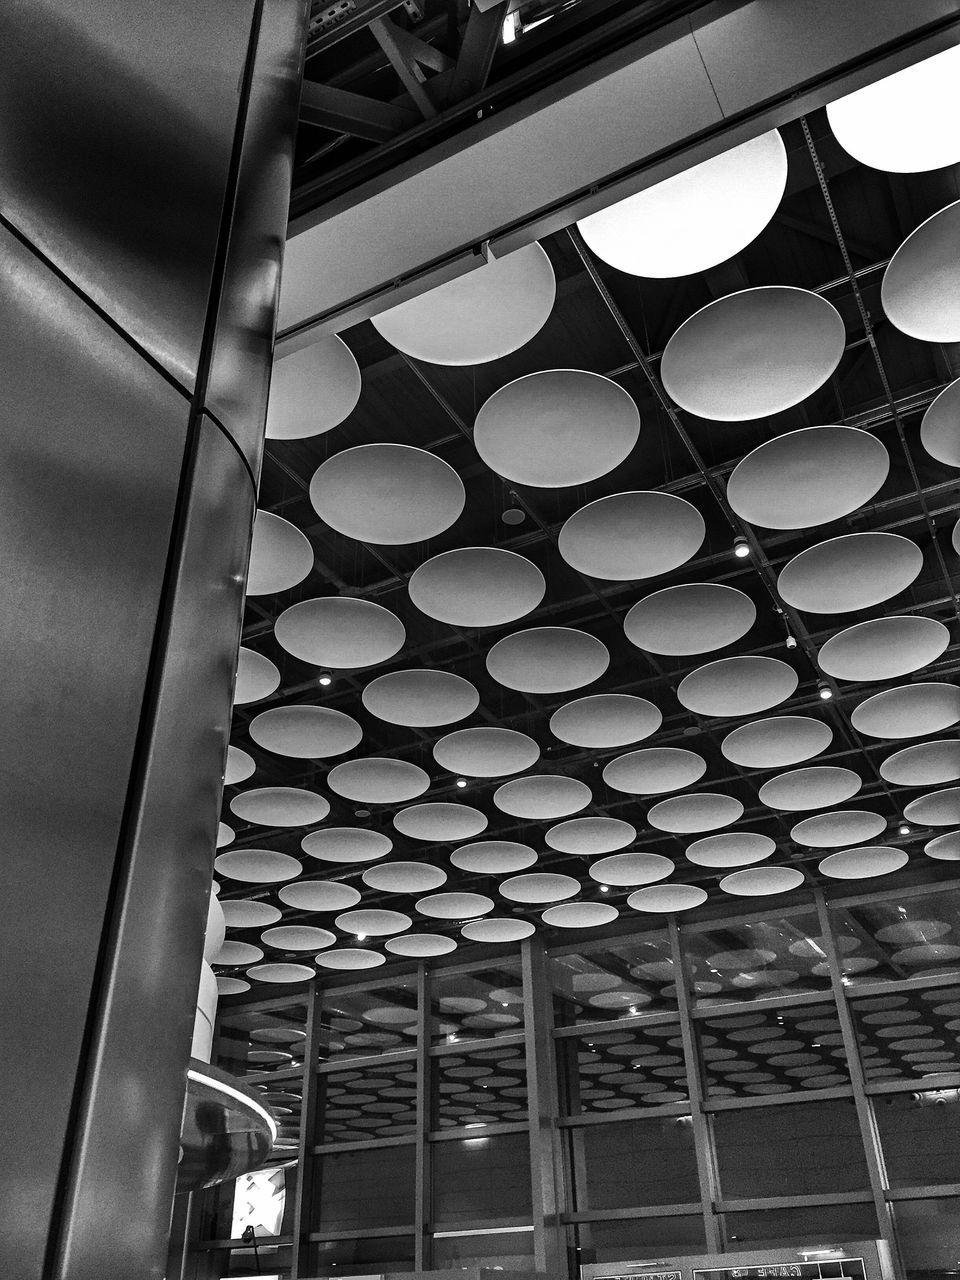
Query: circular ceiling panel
x=542 y=796
x=926 y=765
x=605 y=720
x=349 y=958
x=542 y=886
x=624 y=869
x=480 y=316
x=493 y=857
x=257 y=677
x=313 y=390
x=737 y=686
x=225 y=835
x=830 y=830
x=946 y=848
x=248 y=913
x=256 y=866
x=239 y=766
x=373 y=922
x=280 y=555
x=305 y=733
x=557 y=428
x=911 y=711
x=884 y=648
x=339 y=632
x=280 y=973
x=776 y=742
x=498 y=929
x=232 y=986
x=920 y=291
x=631 y=535
x=378 y=780
x=346 y=844
x=440 y=822
x=405 y=877
x=387 y=494
x=813 y=788
x=696 y=617
x=854 y=571
x=280 y=807
x=753 y=353
x=938 y=809
x=420 y=699
x=940 y=426
x=580 y=915
x=298 y=937
x=547 y=660
x=863 y=862
x=667 y=897
x=455 y=906
x=319 y=895
x=703 y=812
x=477 y=587
x=730 y=849
x=653 y=770
x=486 y=753
x=421 y=945
x=587 y=837
x=695 y=219
x=758 y=882
x=808 y=477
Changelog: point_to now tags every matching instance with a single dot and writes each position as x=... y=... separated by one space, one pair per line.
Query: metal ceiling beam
x=352 y=113
x=404 y=63
x=481 y=39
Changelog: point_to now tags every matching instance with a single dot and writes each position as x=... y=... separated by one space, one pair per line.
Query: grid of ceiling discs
x=912 y=1034
x=564 y=820
x=783 y=1051
x=629 y=1068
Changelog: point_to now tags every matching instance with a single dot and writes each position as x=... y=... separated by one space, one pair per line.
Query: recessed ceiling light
x=791 y=642
x=826 y=693
x=904 y=829
x=324 y=678
x=741 y=548
x=461 y=782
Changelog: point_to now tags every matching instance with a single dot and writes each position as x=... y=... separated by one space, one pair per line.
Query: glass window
x=614 y=981
x=908 y=1035
x=830 y=1222
x=360 y=1024
x=608 y=1071
x=928 y=1232
x=213 y=1264
x=920 y=1133
x=268 y=1040
x=481 y=1178
x=263 y=1199
x=369 y=1101
x=357 y=1190
x=285 y=1099
x=798 y=1149
x=485 y=1087
x=618 y=1241
x=477 y=1005
x=500 y=1250
x=757 y=958
x=900 y=938
x=770 y=1051
x=635 y=1164
x=374 y=1255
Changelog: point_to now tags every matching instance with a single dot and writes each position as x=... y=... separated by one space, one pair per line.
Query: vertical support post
x=423 y=1188
x=309 y=1111
x=543 y=1106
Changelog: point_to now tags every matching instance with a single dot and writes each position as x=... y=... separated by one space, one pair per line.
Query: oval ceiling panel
x=319 y=895
x=653 y=770
x=946 y=848
x=776 y=742
x=605 y=720
x=238 y=766
x=499 y=929
x=349 y=958
x=884 y=648
x=305 y=733
x=703 y=812
x=420 y=945
x=280 y=555
x=754 y=353
x=730 y=849
x=346 y=844
x=808 y=477
x=477 y=587
x=372 y=922
x=623 y=869
x=257 y=677
x=557 y=428
x=543 y=886
x=940 y=426
x=756 y=882
x=813 y=788
x=405 y=877
x=667 y=897
x=737 y=686
x=420 y=699
x=455 y=906
x=479 y=316
x=280 y=973
x=225 y=835
x=312 y=390
x=256 y=866
x=493 y=857
x=830 y=830
x=696 y=617
x=547 y=660
x=339 y=632
x=378 y=780
x=280 y=807
x=854 y=571
x=920 y=291
x=298 y=937
x=439 y=821
x=587 y=837
x=631 y=535
x=863 y=862
x=926 y=765
x=542 y=796
x=232 y=986
x=486 y=753
x=579 y=915
x=938 y=809
x=911 y=711
x=248 y=913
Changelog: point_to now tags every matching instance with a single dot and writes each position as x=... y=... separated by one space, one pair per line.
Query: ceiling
x=833 y=234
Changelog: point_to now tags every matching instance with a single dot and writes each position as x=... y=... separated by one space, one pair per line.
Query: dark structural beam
x=352 y=113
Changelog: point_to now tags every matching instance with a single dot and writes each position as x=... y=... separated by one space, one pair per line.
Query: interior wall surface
x=141 y=227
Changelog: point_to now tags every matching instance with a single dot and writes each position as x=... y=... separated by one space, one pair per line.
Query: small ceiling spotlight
x=361 y=937
x=604 y=888
x=904 y=828
x=513 y=515
x=461 y=783
x=324 y=678
x=741 y=548
x=826 y=693
x=791 y=641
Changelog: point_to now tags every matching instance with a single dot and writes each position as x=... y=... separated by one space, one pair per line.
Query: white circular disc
x=542 y=796
x=256 y=866
x=703 y=812
x=737 y=686
x=920 y=291
x=928 y=764
x=557 y=428
x=313 y=390
x=853 y=571
x=339 y=632
x=753 y=353
x=280 y=555
x=667 y=897
x=387 y=494
x=654 y=770
x=420 y=699
x=493 y=857
x=863 y=862
x=626 y=536
x=904 y=122
x=248 y=913
x=547 y=660
x=757 y=882
x=911 y=711
x=486 y=753
x=346 y=844
x=808 y=477
x=455 y=906
x=955 y=538
x=257 y=677
x=239 y=766
x=695 y=617
x=305 y=732
x=587 y=837
x=605 y=720
x=631 y=869
x=539 y=886
x=938 y=809
x=946 y=848
x=884 y=648
x=231 y=986
x=730 y=849
x=319 y=895
x=830 y=830
x=420 y=945
x=374 y=922
x=405 y=877
x=480 y=316
x=378 y=780
x=477 y=587
x=351 y=958
x=940 y=426
x=280 y=973
x=813 y=788
x=280 y=807
x=776 y=742
x=499 y=929
x=438 y=821
x=298 y=937
x=233 y=953
x=579 y=915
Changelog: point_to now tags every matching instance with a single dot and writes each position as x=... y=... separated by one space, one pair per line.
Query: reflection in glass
x=771 y=1051
x=907 y=1035
x=831 y=1222
x=928 y=1232
x=372 y=1256
x=361 y=1024
x=790 y=1150
x=266 y=1040
x=500 y=1250
x=920 y=1135
x=217 y=1264
x=477 y=1005
x=900 y=938
x=372 y=1100
x=635 y=1164
x=633 y=1237
x=637 y=1066
x=485 y=1087
x=758 y=958
x=363 y=1189
x=481 y=1178
x=615 y=981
